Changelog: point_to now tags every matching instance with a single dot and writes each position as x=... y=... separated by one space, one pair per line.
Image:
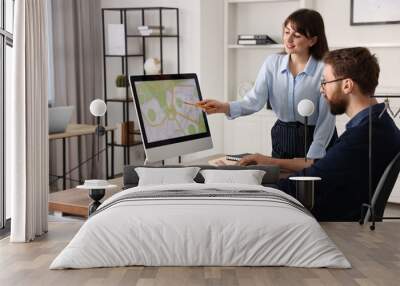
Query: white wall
x=336 y=15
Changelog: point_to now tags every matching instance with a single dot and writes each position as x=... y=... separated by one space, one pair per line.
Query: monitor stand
x=146 y=162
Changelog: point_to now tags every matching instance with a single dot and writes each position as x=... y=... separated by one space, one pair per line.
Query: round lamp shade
x=305 y=107
x=98 y=107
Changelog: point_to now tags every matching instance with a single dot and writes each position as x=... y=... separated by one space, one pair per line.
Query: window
x=6 y=64
x=9 y=16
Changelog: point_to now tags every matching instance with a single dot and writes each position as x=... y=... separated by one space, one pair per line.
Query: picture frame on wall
x=374 y=12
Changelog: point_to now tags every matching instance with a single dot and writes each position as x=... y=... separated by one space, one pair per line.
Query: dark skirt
x=288 y=139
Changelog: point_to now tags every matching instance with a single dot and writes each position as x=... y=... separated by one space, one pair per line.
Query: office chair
x=381 y=195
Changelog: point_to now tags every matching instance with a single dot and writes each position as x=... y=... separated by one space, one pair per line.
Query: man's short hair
x=355 y=63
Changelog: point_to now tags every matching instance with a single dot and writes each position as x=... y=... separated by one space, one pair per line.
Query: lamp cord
x=305 y=137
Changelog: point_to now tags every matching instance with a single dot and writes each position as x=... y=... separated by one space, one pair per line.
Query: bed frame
x=271 y=177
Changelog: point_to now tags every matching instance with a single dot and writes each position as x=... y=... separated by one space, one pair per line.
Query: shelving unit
x=242 y=63
x=131 y=18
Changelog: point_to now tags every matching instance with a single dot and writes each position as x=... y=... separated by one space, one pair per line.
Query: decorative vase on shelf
x=152 y=66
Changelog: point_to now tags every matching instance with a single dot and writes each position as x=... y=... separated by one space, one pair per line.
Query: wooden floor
x=375 y=257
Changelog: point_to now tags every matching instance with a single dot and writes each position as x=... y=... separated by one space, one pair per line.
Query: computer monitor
x=170 y=123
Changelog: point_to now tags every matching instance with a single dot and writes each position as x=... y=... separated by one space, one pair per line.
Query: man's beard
x=339 y=105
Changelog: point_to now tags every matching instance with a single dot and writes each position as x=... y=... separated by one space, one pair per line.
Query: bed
x=201 y=224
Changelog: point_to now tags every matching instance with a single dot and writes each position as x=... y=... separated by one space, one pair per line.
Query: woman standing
x=283 y=81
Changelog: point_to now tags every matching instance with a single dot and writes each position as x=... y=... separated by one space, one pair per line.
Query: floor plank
x=375 y=257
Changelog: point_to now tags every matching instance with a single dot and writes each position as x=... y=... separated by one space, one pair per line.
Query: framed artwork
x=374 y=12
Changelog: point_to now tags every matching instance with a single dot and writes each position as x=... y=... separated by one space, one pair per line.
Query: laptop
x=59 y=118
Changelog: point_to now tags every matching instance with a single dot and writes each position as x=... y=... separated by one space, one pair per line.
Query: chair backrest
x=384 y=188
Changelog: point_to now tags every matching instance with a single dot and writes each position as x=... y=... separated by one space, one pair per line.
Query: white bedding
x=223 y=231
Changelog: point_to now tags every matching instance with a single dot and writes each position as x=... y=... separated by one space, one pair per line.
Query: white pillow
x=248 y=177
x=165 y=176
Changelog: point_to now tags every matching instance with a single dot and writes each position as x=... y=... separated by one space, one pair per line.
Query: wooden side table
x=96 y=193
x=75 y=201
x=305 y=188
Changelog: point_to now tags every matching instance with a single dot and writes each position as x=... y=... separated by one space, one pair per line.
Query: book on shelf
x=150 y=30
x=257 y=39
x=145 y=33
x=150 y=27
x=255 y=42
x=126 y=132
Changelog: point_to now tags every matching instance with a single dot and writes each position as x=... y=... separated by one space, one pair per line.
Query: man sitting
x=350 y=78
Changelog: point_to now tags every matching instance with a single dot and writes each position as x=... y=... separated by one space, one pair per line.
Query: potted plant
x=121 y=83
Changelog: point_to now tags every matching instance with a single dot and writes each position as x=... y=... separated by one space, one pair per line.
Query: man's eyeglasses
x=324 y=82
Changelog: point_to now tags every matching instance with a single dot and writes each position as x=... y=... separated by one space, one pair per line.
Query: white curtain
x=78 y=79
x=27 y=130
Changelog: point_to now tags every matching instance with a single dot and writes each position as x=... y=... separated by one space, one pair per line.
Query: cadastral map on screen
x=165 y=111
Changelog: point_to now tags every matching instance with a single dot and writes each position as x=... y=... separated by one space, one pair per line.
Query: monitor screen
x=166 y=109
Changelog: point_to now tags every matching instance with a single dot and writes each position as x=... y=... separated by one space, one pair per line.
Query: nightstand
x=97 y=190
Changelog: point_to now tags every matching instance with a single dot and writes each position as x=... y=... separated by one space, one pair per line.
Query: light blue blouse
x=276 y=83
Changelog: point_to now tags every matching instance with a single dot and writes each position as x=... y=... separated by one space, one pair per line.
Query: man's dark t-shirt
x=345 y=168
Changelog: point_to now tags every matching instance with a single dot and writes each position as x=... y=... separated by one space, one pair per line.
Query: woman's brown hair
x=309 y=23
